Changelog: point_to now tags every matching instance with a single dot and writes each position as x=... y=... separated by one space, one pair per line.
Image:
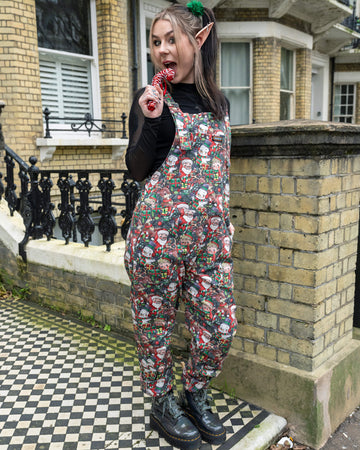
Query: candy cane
x=166 y=74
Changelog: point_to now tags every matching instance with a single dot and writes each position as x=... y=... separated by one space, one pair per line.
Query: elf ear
x=203 y=34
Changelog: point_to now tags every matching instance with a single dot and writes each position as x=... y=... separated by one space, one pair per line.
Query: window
x=149 y=65
x=344 y=103
x=235 y=79
x=147 y=11
x=67 y=53
x=287 y=85
x=65 y=86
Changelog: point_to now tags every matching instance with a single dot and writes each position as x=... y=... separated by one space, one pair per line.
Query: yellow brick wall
x=266 y=79
x=353 y=67
x=295 y=248
x=20 y=76
x=303 y=84
x=113 y=57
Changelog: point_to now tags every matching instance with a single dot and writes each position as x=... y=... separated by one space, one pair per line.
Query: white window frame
x=353 y=115
x=94 y=75
x=293 y=91
x=147 y=11
x=250 y=87
x=321 y=62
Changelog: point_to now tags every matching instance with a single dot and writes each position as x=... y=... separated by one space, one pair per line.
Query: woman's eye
x=156 y=43
x=172 y=40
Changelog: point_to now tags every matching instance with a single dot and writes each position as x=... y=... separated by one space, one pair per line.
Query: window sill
x=48 y=146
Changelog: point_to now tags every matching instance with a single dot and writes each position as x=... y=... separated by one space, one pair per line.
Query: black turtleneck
x=151 y=139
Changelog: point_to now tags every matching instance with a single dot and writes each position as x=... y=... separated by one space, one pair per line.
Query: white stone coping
x=92 y=261
x=12 y=229
x=48 y=146
x=262 y=437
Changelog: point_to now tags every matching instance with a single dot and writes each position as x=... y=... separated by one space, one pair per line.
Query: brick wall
x=20 y=76
x=303 y=84
x=351 y=67
x=113 y=57
x=266 y=79
x=88 y=296
x=296 y=218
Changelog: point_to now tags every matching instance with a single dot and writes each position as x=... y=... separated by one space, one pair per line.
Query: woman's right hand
x=155 y=94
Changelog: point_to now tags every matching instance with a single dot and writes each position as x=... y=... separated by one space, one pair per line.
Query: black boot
x=170 y=421
x=197 y=408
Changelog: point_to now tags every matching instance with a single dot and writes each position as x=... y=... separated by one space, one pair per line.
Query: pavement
x=67 y=385
x=346 y=437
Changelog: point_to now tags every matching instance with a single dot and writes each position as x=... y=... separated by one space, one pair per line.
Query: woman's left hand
x=232 y=230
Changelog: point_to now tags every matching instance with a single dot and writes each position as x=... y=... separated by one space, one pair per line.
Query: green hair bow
x=196 y=8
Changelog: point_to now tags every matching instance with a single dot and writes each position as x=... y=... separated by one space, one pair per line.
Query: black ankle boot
x=170 y=421
x=197 y=408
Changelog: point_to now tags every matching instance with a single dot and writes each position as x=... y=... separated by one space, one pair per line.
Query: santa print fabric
x=179 y=249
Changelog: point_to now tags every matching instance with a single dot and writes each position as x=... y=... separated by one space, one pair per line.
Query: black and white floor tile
x=64 y=385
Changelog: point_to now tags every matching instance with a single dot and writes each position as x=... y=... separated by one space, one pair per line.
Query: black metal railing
x=353 y=22
x=345 y=2
x=87 y=123
x=77 y=206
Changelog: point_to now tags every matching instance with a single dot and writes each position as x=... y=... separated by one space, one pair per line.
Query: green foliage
x=91 y=321
x=7 y=286
x=21 y=293
x=226 y=389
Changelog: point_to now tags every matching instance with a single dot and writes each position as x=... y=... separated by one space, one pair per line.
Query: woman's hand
x=232 y=230
x=155 y=94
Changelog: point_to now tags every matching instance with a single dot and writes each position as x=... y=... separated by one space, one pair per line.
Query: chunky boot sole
x=211 y=438
x=183 y=444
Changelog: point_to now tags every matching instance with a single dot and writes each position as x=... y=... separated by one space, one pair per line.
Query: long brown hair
x=183 y=20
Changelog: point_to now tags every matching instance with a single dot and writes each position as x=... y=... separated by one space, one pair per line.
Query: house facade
x=279 y=60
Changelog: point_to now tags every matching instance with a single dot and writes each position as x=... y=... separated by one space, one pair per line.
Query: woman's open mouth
x=170 y=65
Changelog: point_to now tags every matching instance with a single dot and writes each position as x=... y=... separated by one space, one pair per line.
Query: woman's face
x=166 y=54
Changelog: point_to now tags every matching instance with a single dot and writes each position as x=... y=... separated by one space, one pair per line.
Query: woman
x=178 y=243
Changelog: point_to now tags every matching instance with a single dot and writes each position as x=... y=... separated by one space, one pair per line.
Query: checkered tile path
x=64 y=385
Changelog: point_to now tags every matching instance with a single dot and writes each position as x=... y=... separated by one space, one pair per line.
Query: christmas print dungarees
x=179 y=246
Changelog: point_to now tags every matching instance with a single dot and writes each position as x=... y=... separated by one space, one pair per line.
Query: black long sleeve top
x=151 y=139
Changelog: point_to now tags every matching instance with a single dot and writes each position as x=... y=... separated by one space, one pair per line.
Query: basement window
x=344 y=103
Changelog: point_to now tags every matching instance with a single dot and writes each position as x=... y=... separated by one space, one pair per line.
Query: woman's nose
x=163 y=47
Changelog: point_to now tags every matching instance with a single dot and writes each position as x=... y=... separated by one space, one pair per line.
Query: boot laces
x=202 y=400
x=170 y=405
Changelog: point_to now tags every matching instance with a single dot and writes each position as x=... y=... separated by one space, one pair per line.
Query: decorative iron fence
x=76 y=212
x=353 y=22
x=86 y=123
